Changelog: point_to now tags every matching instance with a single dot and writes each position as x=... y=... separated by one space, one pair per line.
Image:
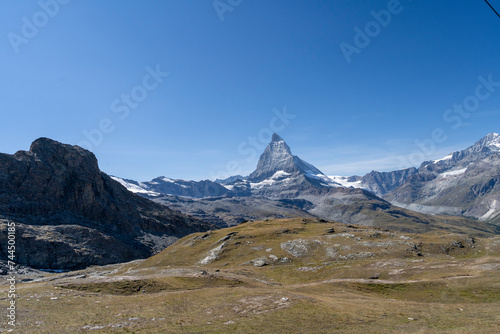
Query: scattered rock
x=342 y=235
x=330 y=230
x=227 y=237
x=331 y=252
x=261 y=262
x=353 y=256
x=314 y=269
x=298 y=247
x=213 y=254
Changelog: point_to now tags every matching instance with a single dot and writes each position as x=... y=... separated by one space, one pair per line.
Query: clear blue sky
x=227 y=76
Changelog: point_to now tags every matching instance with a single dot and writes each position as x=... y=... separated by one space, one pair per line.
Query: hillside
x=275 y=276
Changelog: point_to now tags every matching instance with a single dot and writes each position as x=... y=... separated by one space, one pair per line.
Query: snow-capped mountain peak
x=492 y=141
x=483 y=147
x=278 y=157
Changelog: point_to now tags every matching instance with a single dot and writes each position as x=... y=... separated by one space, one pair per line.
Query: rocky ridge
x=69 y=214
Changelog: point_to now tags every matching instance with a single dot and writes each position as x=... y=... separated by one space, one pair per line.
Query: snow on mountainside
x=378 y=183
x=278 y=158
x=134 y=186
x=283 y=185
x=68 y=214
x=164 y=185
x=348 y=181
x=462 y=183
x=485 y=146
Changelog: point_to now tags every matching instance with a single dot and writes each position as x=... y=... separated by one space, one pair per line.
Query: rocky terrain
x=70 y=215
x=230 y=211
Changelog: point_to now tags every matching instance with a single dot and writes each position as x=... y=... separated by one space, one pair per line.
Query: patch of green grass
x=433 y=292
x=130 y=287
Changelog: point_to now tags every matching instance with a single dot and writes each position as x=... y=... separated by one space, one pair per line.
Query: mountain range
x=287 y=186
x=69 y=214
x=464 y=183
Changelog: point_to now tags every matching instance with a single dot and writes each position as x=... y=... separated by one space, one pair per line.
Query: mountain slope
x=69 y=214
x=462 y=183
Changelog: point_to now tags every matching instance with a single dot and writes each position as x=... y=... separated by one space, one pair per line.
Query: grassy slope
x=434 y=283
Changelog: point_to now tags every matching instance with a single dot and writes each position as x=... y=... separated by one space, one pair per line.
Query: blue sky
x=74 y=67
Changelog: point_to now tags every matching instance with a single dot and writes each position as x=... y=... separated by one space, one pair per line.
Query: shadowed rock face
x=69 y=214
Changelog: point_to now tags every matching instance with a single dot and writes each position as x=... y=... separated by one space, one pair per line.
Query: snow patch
x=448 y=157
x=344 y=181
x=166 y=179
x=325 y=179
x=278 y=176
x=493 y=210
x=454 y=172
x=134 y=187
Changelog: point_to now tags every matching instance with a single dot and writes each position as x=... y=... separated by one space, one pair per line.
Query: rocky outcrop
x=69 y=214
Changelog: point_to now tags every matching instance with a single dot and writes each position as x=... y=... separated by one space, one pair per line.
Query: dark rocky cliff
x=71 y=215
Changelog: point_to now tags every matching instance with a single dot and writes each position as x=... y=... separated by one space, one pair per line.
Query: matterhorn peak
x=276 y=138
x=277 y=157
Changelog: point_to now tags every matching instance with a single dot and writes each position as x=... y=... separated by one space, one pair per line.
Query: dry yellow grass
x=447 y=283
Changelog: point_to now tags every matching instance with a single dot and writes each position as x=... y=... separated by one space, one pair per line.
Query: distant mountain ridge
x=463 y=183
x=165 y=185
x=282 y=178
